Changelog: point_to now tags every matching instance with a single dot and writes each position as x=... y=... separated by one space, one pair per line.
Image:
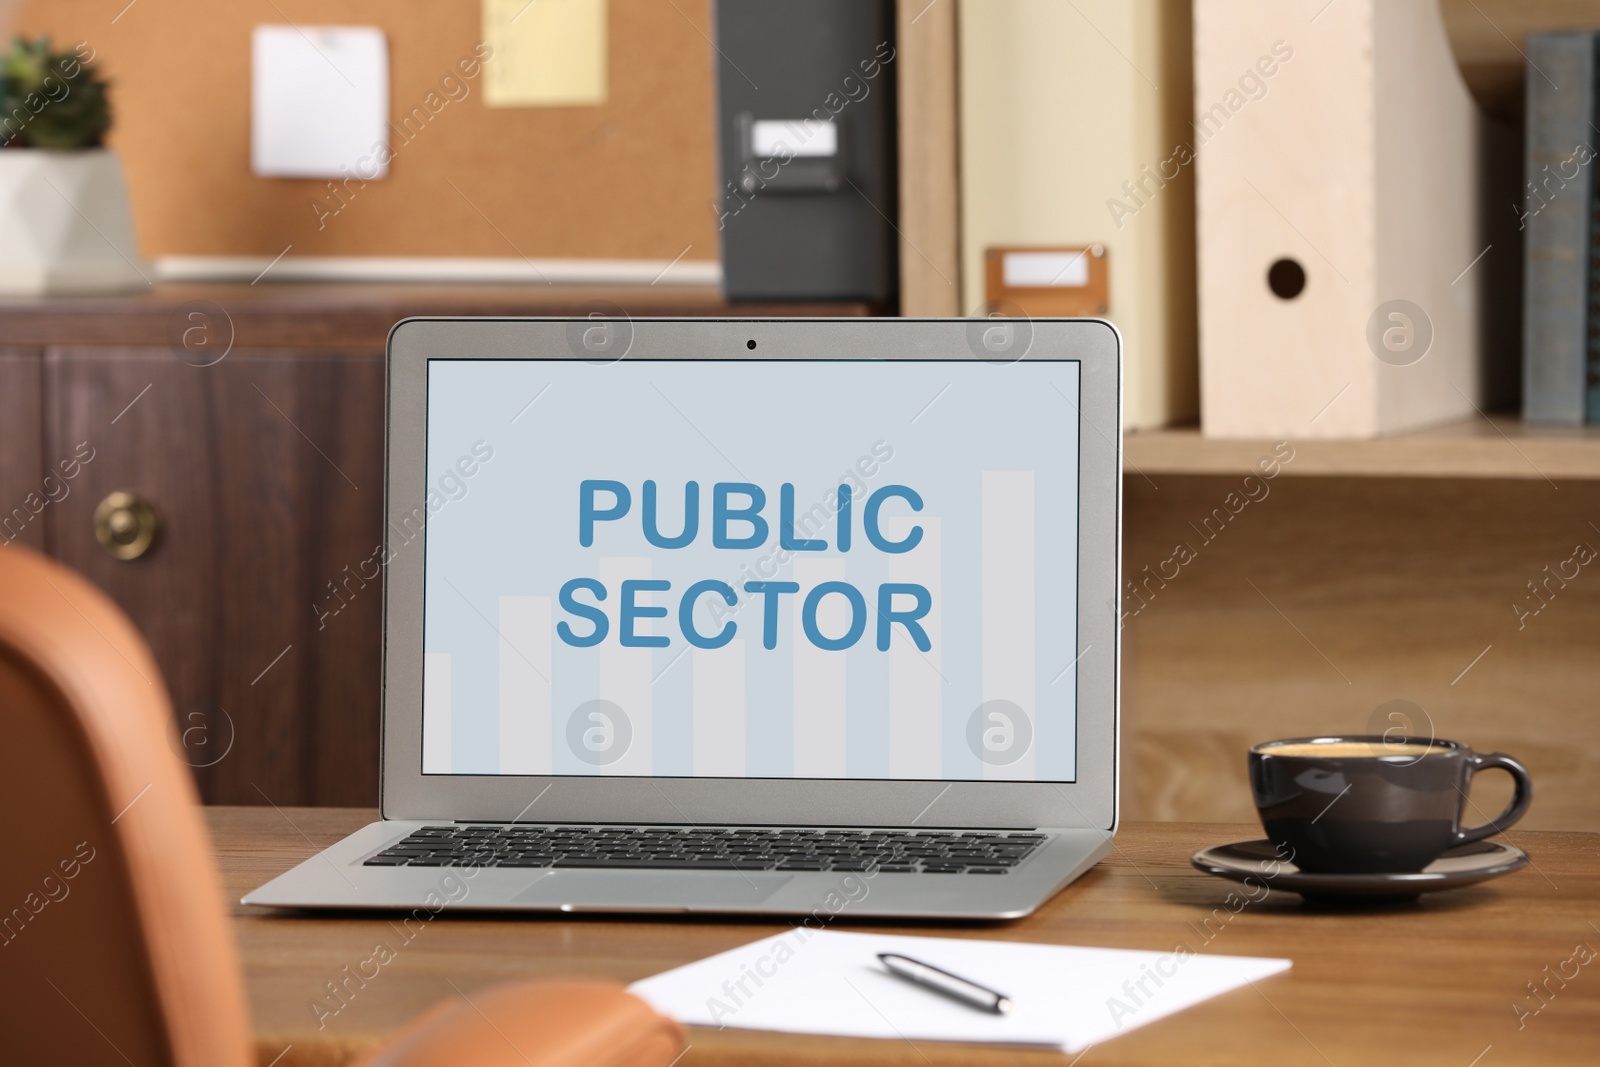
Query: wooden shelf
x=1498 y=447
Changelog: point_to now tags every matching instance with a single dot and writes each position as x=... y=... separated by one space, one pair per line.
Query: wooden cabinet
x=264 y=473
x=265 y=476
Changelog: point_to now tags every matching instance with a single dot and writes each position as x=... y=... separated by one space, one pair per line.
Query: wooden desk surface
x=1433 y=982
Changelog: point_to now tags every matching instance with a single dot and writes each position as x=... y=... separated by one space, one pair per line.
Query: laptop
x=791 y=616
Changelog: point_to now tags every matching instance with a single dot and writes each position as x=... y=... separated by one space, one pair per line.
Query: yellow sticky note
x=547 y=53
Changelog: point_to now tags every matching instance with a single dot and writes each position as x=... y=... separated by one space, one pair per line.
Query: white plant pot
x=65 y=226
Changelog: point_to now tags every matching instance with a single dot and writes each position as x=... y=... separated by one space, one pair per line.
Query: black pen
x=951 y=985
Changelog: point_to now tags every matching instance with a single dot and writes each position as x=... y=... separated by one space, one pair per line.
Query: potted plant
x=65 y=226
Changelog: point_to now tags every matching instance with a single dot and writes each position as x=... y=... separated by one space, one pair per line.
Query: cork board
x=629 y=179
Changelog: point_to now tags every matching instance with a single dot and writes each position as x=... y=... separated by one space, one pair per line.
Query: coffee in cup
x=1373 y=804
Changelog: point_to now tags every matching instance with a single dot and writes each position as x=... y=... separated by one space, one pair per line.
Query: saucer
x=1459 y=866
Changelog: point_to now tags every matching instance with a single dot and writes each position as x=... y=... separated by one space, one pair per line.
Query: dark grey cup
x=1365 y=814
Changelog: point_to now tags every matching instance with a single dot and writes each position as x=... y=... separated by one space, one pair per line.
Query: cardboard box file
x=1338 y=164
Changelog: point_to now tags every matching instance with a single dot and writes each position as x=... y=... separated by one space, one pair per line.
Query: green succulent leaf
x=50 y=99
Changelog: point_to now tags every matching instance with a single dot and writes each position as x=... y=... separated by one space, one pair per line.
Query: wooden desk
x=1426 y=983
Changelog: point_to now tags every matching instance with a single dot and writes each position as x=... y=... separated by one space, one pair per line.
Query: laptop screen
x=819 y=569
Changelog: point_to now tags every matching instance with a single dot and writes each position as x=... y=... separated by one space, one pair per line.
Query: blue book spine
x=1557 y=223
x=1592 y=406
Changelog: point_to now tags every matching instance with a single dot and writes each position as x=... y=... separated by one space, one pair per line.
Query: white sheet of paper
x=830 y=982
x=319 y=102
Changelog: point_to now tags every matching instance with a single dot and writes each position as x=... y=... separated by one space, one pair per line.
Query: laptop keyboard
x=711 y=848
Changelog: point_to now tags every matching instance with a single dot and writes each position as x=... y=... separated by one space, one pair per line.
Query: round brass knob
x=125 y=525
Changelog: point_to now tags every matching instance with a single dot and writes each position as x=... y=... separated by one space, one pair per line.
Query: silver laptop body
x=912 y=638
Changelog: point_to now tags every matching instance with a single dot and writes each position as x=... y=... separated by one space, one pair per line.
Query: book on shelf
x=1559 y=217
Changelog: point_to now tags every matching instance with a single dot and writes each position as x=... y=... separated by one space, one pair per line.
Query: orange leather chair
x=114 y=942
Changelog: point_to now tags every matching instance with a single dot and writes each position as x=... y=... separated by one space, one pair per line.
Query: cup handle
x=1519 y=799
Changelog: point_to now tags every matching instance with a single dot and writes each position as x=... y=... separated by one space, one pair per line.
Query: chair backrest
x=114 y=943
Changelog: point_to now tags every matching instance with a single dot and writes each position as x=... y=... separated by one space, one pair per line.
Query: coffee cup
x=1373 y=804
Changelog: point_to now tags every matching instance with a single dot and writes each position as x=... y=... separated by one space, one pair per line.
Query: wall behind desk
x=628 y=179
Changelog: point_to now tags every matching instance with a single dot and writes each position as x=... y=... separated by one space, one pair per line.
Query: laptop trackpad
x=582 y=890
